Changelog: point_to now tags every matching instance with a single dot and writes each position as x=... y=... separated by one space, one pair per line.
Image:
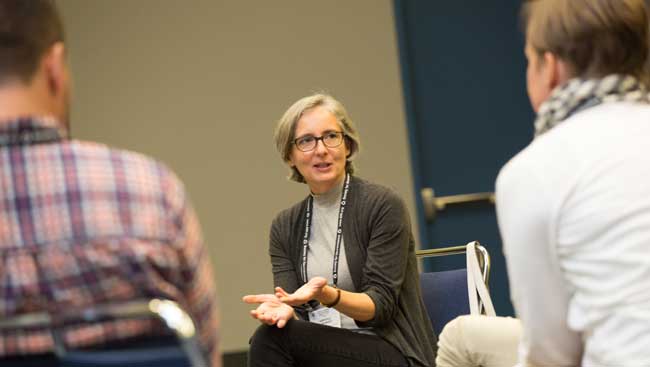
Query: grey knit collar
x=332 y=197
x=578 y=94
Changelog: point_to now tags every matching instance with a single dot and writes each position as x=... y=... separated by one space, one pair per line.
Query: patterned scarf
x=578 y=94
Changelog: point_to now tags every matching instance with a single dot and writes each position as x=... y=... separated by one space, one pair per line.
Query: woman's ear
x=348 y=147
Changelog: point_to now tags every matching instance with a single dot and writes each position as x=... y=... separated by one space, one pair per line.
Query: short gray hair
x=285 y=130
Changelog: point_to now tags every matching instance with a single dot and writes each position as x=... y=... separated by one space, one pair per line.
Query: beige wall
x=199 y=84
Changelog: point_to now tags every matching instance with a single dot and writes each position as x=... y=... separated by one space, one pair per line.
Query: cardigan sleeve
x=284 y=271
x=387 y=256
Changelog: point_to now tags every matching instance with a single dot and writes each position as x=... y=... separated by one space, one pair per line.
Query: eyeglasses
x=330 y=139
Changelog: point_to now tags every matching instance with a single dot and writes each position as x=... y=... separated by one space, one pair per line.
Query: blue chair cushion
x=38 y=360
x=146 y=357
x=445 y=296
x=163 y=351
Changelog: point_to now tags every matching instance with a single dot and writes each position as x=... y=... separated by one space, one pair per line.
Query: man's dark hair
x=27 y=29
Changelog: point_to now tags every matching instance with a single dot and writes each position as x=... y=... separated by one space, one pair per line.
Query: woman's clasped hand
x=276 y=309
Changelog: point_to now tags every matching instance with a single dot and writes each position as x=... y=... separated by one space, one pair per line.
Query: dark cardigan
x=379 y=248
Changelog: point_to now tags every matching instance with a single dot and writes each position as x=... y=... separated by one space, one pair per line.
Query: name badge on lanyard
x=325 y=316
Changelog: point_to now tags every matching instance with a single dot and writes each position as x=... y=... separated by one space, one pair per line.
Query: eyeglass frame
x=322 y=139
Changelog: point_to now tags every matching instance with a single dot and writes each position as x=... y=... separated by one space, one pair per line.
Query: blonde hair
x=595 y=37
x=285 y=129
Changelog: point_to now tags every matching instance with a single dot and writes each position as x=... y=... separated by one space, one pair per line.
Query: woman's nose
x=320 y=147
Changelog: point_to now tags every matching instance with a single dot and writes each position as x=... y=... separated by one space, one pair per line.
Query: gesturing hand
x=310 y=290
x=270 y=310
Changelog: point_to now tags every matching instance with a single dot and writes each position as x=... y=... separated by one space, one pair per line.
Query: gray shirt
x=320 y=257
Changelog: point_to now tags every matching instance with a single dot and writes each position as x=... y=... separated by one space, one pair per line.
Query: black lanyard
x=339 y=235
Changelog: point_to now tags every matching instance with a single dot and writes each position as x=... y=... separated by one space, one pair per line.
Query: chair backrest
x=445 y=296
x=445 y=293
x=181 y=350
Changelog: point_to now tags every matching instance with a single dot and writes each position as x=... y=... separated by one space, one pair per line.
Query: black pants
x=305 y=344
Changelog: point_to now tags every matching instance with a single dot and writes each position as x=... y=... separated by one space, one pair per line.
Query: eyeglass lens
x=330 y=139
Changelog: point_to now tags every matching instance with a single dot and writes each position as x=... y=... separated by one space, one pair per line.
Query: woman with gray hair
x=347 y=288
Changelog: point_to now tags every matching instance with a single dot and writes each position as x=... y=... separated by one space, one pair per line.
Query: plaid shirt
x=84 y=224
